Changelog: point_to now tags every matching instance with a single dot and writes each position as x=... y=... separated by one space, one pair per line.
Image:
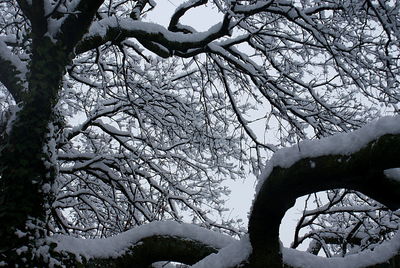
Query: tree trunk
x=25 y=178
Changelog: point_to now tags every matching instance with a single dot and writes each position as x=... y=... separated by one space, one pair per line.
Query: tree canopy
x=111 y=124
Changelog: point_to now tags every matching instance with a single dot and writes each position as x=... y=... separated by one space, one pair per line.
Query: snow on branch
x=354 y=161
x=12 y=72
x=177 y=239
x=383 y=253
x=340 y=144
x=180 y=11
x=113 y=29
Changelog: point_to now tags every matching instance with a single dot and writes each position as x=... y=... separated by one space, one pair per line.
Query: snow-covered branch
x=144 y=245
x=354 y=161
x=115 y=30
x=12 y=72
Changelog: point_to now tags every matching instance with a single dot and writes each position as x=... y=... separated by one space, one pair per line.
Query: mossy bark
x=23 y=170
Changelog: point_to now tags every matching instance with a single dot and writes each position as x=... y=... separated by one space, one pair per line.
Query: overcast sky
x=239 y=202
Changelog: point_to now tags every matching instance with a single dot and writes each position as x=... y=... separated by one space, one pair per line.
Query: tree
x=155 y=135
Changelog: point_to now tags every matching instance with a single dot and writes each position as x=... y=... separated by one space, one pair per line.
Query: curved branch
x=361 y=170
x=144 y=245
x=322 y=165
x=180 y=11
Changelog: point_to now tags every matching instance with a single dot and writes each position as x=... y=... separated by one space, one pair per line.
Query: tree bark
x=25 y=179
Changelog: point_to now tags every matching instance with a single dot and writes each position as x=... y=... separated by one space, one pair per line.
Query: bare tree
x=109 y=122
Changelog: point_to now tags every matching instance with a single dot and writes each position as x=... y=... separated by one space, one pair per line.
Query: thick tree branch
x=117 y=30
x=77 y=24
x=361 y=171
x=158 y=248
x=144 y=245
